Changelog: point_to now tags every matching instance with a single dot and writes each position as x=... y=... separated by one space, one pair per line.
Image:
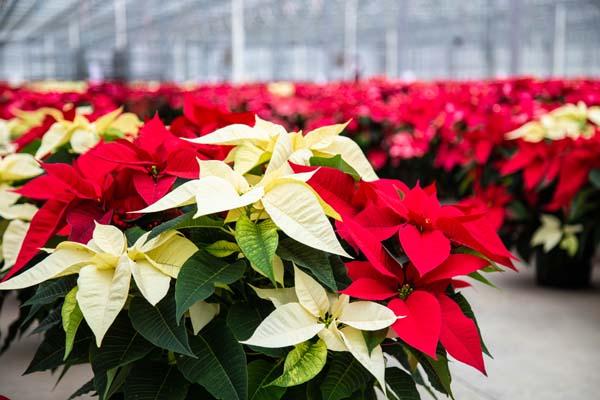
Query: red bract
x=431 y=315
x=75 y=196
x=201 y=117
x=155 y=159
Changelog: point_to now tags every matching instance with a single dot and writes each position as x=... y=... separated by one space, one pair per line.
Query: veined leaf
x=198 y=276
x=50 y=291
x=51 y=320
x=122 y=345
x=335 y=162
x=480 y=278
x=374 y=338
x=316 y=261
x=154 y=381
x=302 y=364
x=344 y=376
x=220 y=365
x=258 y=242
x=437 y=372
x=222 y=248
x=85 y=389
x=158 y=324
x=260 y=373
x=71 y=318
x=51 y=352
x=185 y=221
x=401 y=384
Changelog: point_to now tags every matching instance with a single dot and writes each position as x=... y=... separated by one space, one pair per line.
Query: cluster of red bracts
x=115 y=178
x=414 y=250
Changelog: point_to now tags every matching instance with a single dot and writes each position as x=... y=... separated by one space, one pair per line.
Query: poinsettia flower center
x=405 y=290
x=153 y=170
x=326 y=320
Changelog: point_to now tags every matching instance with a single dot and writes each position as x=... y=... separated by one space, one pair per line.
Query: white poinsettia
x=255 y=145
x=82 y=134
x=552 y=232
x=105 y=267
x=308 y=310
x=6 y=145
x=285 y=197
x=15 y=167
x=569 y=121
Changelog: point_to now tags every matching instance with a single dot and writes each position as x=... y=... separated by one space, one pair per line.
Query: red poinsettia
x=75 y=196
x=155 y=159
x=431 y=315
x=201 y=117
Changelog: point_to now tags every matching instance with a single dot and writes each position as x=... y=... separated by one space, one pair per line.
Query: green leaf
x=50 y=291
x=118 y=380
x=374 y=338
x=121 y=345
x=302 y=364
x=199 y=275
x=316 y=261
x=260 y=372
x=85 y=389
x=335 y=162
x=158 y=324
x=133 y=234
x=480 y=278
x=244 y=318
x=595 y=178
x=51 y=320
x=340 y=272
x=222 y=248
x=437 y=372
x=154 y=381
x=185 y=221
x=220 y=365
x=344 y=377
x=51 y=352
x=258 y=242
x=402 y=385
x=71 y=318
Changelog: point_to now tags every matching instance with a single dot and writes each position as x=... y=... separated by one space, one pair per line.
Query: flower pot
x=558 y=269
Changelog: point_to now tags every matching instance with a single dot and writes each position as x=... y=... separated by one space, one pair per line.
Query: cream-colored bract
x=552 y=232
x=312 y=311
x=16 y=167
x=105 y=267
x=255 y=145
x=82 y=134
x=285 y=197
x=569 y=121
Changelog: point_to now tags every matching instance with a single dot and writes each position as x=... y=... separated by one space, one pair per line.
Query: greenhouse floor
x=545 y=343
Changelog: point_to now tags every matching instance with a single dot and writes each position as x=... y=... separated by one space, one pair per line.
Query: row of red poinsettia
x=407 y=129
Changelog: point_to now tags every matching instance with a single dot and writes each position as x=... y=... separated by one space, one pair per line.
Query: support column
x=515 y=36
x=560 y=32
x=237 y=41
x=120 y=56
x=391 y=52
x=350 y=38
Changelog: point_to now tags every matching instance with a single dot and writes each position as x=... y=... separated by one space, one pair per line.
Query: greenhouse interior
x=299 y=199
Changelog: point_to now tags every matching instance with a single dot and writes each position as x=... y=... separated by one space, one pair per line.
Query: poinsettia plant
x=554 y=175
x=286 y=269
